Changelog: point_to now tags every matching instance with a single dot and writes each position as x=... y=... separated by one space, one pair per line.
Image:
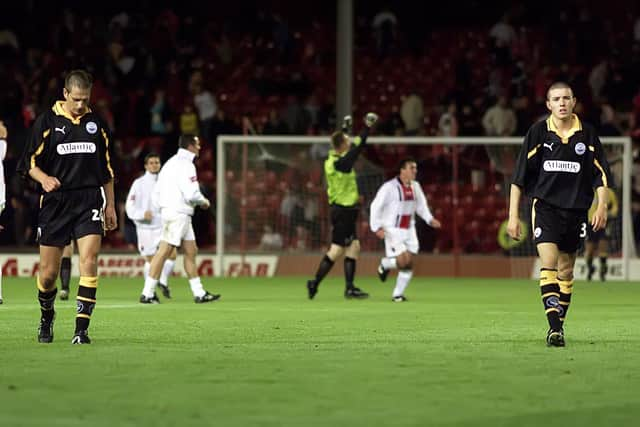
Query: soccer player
x=560 y=164
x=69 y=154
x=176 y=193
x=147 y=220
x=3 y=185
x=599 y=240
x=393 y=220
x=65 y=271
x=343 y=199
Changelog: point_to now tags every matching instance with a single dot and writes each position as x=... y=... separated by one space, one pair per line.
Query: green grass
x=460 y=353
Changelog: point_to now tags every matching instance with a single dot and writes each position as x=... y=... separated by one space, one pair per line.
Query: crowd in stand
x=161 y=71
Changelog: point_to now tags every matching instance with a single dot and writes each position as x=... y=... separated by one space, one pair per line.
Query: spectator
x=206 y=106
x=500 y=120
x=159 y=114
x=448 y=123
x=598 y=78
x=188 y=121
x=275 y=125
x=384 y=31
x=608 y=125
x=412 y=113
x=270 y=240
x=502 y=37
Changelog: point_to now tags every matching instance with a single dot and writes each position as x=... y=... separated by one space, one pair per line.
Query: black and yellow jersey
x=562 y=171
x=75 y=151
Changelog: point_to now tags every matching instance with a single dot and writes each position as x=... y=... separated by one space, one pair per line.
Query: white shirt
x=177 y=190
x=395 y=206
x=206 y=105
x=139 y=201
x=3 y=184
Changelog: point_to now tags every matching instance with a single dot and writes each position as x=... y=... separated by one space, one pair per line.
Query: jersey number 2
x=96 y=215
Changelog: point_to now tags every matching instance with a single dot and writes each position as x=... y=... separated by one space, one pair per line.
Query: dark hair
x=337 y=138
x=187 y=140
x=151 y=155
x=559 y=85
x=78 y=78
x=403 y=163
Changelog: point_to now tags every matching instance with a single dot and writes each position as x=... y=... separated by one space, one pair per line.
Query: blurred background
x=467 y=68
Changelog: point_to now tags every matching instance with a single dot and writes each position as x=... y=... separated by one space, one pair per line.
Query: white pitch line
x=61 y=307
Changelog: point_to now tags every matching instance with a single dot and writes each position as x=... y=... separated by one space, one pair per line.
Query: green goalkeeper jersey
x=342 y=187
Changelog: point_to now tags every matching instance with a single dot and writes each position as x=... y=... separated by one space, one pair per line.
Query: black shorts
x=67 y=215
x=565 y=227
x=343 y=221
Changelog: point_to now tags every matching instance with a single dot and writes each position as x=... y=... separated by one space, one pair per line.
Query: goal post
x=271 y=193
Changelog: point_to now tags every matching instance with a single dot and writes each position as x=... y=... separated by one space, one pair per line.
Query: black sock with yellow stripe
x=85 y=302
x=566 y=287
x=46 y=298
x=551 y=297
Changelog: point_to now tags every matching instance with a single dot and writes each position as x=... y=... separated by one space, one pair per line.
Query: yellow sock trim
x=548 y=277
x=548 y=294
x=566 y=286
x=41 y=288
x=546 y=311
x=89 y=282
x=85 y=299
x=84 y=316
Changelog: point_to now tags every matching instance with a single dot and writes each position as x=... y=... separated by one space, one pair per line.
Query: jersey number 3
x=583 y=230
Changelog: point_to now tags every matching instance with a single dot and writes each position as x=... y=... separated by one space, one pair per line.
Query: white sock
x=149 y=287
x=402 y=281
x=167 y=268
x=147 y=267
x=196 y=287
x=389 y=263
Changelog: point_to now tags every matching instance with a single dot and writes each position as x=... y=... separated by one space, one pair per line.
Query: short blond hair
x=559 y=85
x=337 y=138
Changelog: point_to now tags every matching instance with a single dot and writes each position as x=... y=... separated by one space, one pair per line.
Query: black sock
x=550 y=291
x=589 y=261
x=349 y=271
x=47 y=299
x=65 y=273
x=325 y=266
x=85 y=302
x=603 y=266
x=566 y=287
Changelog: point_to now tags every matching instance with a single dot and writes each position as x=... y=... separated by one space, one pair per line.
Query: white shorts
x=177 y=228
x=148 y=240
x=400 y=240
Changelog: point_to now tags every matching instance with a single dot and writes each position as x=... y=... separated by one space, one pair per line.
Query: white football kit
x=393 y=209
x=138 y=202
x=175 y=194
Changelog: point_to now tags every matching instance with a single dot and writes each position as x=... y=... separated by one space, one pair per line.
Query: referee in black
x=560 y=165
x=69 y=154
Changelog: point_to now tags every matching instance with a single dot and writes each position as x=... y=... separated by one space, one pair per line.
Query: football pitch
x=461 y=352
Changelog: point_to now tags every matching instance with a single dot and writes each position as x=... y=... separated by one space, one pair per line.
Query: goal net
x=271 y=194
